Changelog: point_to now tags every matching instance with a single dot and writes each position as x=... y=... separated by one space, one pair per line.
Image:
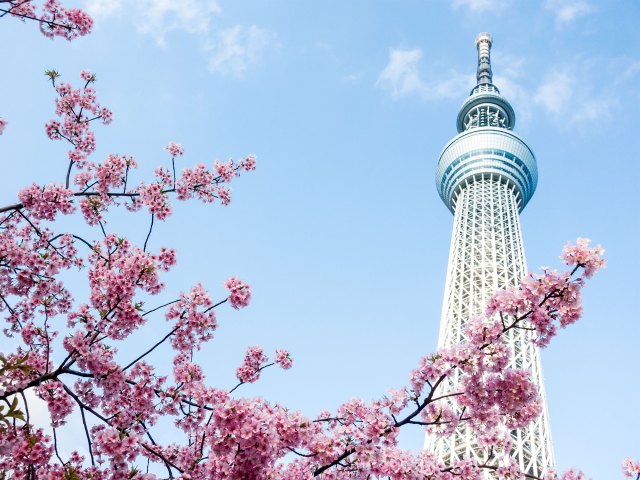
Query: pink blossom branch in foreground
x=65 y=350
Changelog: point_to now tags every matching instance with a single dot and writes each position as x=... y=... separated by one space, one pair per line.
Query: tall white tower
x=485 y=176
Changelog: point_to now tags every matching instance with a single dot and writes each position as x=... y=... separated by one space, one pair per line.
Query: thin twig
x=151 y=349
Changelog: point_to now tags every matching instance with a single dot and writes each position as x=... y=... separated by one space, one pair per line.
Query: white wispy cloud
x=592 y=109
x=481 y=5
x=235 y=49
x=556 y=92
x=569 y=94
x=515 y=90
x=631 y=70
x=159 y=17
x=507 y=64
x=402 y=77
x=566 y=11
x=229 y=51
x=574 y=95
x=100 y=9
x=352 y=78
x=164 y=16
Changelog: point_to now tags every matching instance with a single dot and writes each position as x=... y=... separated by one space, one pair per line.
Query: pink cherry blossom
x=87 y=76
x=283 y=359
x=239 y=292
x=195 y=320
x=580 y=254
x=31 y=449
x=225 y=170
x=248 y=162
x=117 y=447
x=175 y=149
x=54 y=20
x=106 y=115
x=21 y=9
x=440 y=419
x=111 y=173
x=155 y=198
x=570 y=474
x=631 y=468
x=223 y=193
x=77 y=108
x=197 y=182
x=511 y=471
x=58 y=401
x=252 y=364
x=45 y=202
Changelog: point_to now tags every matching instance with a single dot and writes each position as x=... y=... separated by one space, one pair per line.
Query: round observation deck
x=485 y=108
x=483 y=152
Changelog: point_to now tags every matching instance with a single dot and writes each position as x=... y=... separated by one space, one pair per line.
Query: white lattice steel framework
x=486 y=175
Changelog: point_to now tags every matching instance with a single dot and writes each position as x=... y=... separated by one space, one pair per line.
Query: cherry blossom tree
x=64 y=350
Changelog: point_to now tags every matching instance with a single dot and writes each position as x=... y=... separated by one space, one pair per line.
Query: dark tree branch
x=151 y=349
x=144 y=249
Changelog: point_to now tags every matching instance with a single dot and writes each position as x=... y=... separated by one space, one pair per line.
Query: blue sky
x=340 y=229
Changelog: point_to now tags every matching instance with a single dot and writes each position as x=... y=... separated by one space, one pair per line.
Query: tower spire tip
x=484 y=37
x=483 y=43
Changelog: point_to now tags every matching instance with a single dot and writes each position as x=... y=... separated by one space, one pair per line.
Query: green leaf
x=52 y=74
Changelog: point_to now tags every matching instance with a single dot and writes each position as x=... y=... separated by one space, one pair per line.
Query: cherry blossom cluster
x=54 y=19
x=3 y=125
x=225 y=170
x=239 y=292
x=206 y=185
x=60 y=404
x=106 y=184
x=31 y=259
x=631 y=469
x=570 y=474
x=550 y=299
x=254 y=362
x=198 y=182
x=22 y=451
x=115 y=446
x=283 y=359
x=44 y=203
x=118 y=271
x=155 y=198
x=110 y=175
x=175 y=149
x=77 y=108
x=195 y=320
x=97 y=184
x=580 y=254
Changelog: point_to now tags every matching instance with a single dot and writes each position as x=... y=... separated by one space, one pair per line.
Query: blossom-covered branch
x=53 y=18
